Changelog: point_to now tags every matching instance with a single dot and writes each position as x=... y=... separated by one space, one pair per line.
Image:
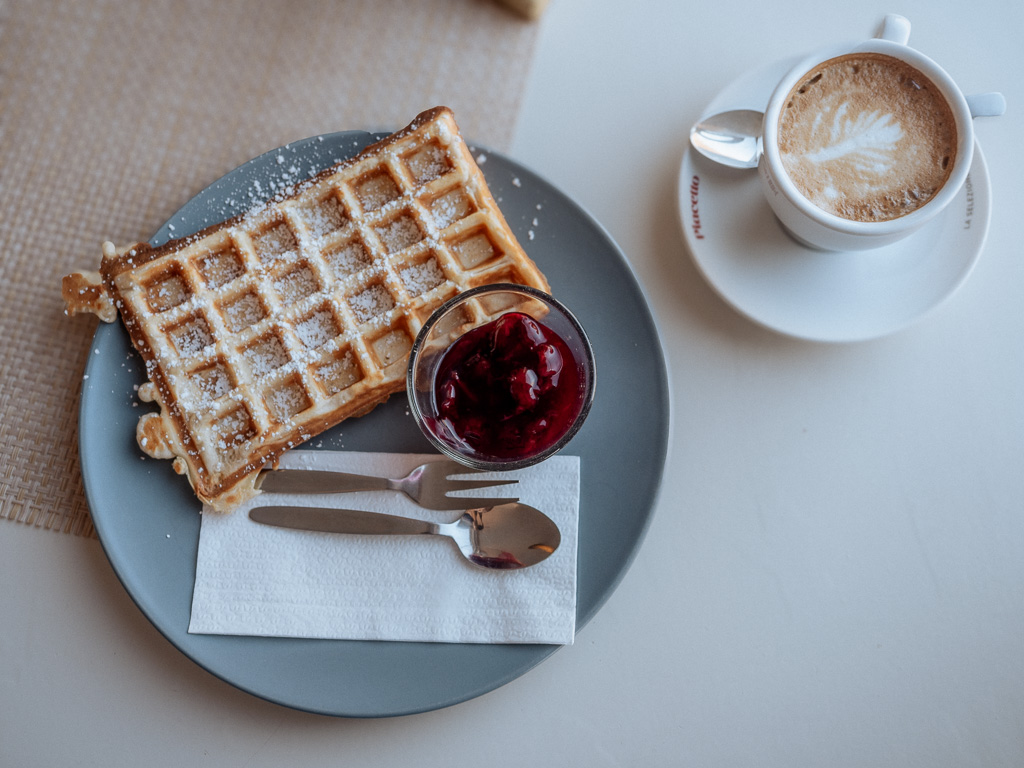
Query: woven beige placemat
x=114 y=114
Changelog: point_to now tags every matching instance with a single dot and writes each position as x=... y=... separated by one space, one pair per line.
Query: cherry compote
x=508 y=390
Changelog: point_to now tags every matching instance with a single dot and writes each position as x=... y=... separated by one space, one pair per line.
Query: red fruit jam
x=507 y=390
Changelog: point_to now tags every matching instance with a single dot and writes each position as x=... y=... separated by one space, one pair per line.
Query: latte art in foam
x=867 y=137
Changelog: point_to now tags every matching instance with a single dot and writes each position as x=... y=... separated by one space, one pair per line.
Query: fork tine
x=462 y=503
x=447 y=482
x=452 y=470
x=469 y=485
x=459 y=502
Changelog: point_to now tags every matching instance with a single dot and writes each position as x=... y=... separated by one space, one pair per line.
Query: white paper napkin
x=254 y=579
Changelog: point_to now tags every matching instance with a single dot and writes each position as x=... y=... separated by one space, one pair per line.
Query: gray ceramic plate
x=148 y=519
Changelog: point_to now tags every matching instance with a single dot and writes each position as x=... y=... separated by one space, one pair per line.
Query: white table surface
x=834 y=575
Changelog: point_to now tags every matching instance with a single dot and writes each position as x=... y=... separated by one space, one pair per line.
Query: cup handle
x=895 y=28
x=986 y=104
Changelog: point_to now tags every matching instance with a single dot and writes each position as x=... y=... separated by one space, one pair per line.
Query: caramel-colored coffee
x=867 y=137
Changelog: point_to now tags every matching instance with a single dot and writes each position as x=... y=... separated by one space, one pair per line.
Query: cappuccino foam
x=867 y=137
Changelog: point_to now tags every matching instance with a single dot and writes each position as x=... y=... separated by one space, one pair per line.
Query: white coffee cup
x=817 y=228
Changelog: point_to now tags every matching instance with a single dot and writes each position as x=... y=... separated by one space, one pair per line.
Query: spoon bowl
x=504 y=537
x=731 y=138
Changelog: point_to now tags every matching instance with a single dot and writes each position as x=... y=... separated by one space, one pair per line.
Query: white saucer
x=757 y=268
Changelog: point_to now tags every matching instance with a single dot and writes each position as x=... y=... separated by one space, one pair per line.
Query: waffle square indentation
x=450 y=207
x=428 y=163
x=348 y=259
x=234 y=428
x=325 y=216
x=392 y=347
x=242 y=311
x=503 y=302
x=276 y=242
x=287 y=399
x=221 y=267
x=340 y=372
x=296 y=285
x=373 y=301
x=453 y=324
x=475 y=250
x=266 y=355
x=422 y=277
x=318 y=328
x=191 y=336
x=399 y=233
x=376 y=190
x=167 y=292
x=212 y=382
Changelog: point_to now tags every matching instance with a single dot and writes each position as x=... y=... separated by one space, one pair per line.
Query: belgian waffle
x=260 y=332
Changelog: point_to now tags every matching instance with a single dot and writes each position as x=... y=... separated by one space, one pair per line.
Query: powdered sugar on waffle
x=263 y=331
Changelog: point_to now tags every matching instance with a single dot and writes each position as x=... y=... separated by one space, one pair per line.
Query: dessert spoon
x=503 y=537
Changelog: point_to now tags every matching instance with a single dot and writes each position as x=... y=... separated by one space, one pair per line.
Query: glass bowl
x=501 y=377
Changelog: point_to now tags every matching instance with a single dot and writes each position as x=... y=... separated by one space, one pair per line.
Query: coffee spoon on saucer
x=730 y=138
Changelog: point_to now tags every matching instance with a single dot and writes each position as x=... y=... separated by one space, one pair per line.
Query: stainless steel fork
x=428 y=485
